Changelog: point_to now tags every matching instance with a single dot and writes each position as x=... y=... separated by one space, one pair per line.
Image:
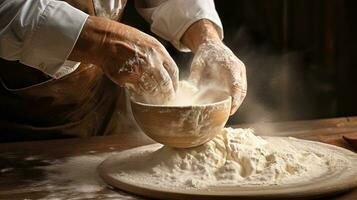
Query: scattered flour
x=5 y=170
x=77 y=178
x=234 y=158
x=29 y=158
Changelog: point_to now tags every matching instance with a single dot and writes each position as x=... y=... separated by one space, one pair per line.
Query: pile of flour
x=236 y=157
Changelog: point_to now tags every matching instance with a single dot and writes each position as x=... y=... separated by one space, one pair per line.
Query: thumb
x=196 y=72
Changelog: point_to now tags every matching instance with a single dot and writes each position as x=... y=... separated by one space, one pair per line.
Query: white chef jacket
x=42 y=33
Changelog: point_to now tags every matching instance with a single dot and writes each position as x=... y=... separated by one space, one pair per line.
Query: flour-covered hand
x=130 y=58
x=215 y=64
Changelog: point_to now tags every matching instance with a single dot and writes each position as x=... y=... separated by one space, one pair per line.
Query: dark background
x=300 y=56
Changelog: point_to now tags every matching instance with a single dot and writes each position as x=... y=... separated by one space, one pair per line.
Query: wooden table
x=21 y=174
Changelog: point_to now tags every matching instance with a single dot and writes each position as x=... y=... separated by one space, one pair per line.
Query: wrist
x=89 y=45
x=198 y=33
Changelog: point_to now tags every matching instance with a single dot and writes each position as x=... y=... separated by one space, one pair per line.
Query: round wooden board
x=328 y=184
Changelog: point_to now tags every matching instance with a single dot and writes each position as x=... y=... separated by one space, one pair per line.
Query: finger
x=150 y=89
x=170 y=66
x=238 y=89
x=163 y=68
x=173 y=71
x=165 y=81
x=165 y=89
x=196 y=71
x=238 y=94
x=147 y=83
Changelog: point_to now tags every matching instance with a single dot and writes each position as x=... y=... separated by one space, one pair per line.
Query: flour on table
x=76 y=178
x=236 y=157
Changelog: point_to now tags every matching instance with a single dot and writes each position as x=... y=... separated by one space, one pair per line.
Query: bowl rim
x=229 y=98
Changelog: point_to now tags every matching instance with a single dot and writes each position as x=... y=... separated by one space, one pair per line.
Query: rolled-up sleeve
x=40 y=34
x=170 y=19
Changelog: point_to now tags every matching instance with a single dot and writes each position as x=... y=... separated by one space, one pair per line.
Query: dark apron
x=35 y=106
x=82 y=103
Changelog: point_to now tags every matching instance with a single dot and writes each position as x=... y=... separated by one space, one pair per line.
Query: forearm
x=101 y=39
x=87 y=44
x=199 y=32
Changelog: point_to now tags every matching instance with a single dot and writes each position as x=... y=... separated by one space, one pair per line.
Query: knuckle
x=170 y=67
x=235 y=103
x=239 y=90
x=240 y=62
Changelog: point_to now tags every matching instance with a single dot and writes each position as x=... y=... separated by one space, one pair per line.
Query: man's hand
x=129 y=57
x=214 y=63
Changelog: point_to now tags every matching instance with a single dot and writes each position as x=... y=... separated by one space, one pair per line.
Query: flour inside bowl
x=236 y=157
x=188 y=94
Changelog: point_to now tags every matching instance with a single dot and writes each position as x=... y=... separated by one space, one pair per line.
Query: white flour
x=234 y=158
x=203 y=105
x=188 y=94
x=76 y=178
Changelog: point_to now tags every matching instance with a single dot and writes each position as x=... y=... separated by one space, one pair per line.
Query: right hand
x=130 y=58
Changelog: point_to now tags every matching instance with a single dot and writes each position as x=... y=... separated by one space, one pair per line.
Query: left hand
x=214 y=63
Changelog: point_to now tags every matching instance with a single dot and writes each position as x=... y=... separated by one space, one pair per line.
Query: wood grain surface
x=20 y=182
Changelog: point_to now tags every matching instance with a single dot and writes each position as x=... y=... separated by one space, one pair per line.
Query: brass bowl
x=183 y=126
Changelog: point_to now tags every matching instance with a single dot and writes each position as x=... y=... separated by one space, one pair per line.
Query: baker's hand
x=214 y=63
x=130 y=58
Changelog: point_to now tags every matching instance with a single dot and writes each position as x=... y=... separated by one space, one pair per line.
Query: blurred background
x=300 y=56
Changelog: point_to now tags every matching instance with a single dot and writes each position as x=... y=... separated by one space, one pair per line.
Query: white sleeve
x=171 y=18
x=40 y=34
